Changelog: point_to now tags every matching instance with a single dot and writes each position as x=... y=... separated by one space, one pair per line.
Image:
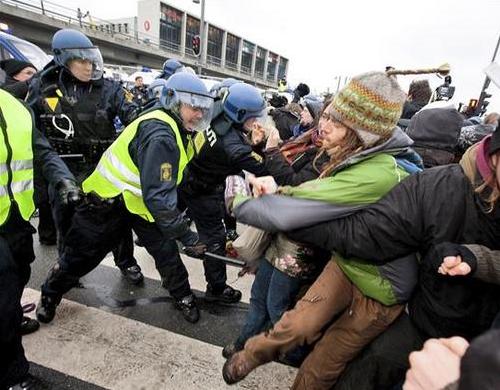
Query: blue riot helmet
x=228 y=82
x=155 y=88
x=222 y=86
x=186 y=90
x=219 y=91
x=170 y=67
x=243 y=102
x=69 y=45
x=214 y=90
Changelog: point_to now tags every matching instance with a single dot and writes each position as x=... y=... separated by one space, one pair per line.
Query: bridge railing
x=86 y=21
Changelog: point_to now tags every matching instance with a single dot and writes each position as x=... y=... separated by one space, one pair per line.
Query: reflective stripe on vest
x=16 y=158
x=117 y=174
x=16 y=166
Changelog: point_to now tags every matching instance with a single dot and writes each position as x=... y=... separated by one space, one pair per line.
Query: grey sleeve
x=488 y=263
x=277 y=213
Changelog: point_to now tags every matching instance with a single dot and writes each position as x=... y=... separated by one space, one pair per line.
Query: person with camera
x=139 y=91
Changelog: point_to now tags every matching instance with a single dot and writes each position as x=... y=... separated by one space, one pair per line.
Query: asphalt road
x=109 y=334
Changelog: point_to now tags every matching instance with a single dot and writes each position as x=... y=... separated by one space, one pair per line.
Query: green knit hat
x=371 y=105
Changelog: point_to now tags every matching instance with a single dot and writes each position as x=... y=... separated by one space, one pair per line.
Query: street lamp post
x=202 y=34
x=486 y=81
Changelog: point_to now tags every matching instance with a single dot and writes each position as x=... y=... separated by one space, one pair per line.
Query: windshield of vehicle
x=33 y=53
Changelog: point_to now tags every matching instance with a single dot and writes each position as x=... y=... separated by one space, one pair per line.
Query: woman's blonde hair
x=351 y=144
x=489 y=190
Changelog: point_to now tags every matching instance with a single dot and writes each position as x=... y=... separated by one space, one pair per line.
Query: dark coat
x=300 y=172
x=111 y=102
x=435 y=132
x=19 y=89
x=410 y=108
x=221 y=151
x=284 y=121
x=434 y=206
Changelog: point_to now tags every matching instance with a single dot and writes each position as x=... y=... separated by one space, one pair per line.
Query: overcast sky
x=324 y=39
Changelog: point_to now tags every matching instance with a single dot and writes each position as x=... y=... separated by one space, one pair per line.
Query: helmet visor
x=197 y=112
x=91 y=58
x=257 y=120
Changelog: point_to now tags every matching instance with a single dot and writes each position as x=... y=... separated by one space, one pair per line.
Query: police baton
x=225 y=259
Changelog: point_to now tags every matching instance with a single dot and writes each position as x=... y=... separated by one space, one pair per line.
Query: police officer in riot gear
x=170 y=67
x=22 y=149
x=135 y=183
x=221 y=151
x=139 y=91
x=75 y=107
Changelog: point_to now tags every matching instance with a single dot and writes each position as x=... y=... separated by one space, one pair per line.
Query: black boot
x=188 y=307
x=225 y=295
x=230 y=349
x=29 y=325
x=46 y=309
x=133 y=274
x=28 y=382
x=48 y=241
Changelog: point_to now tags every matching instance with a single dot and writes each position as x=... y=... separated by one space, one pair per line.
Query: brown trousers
x=362 y=319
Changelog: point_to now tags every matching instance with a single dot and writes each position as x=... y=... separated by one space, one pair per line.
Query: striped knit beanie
x=371 y=105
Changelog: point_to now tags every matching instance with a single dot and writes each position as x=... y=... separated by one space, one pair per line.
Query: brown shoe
x=238 y=367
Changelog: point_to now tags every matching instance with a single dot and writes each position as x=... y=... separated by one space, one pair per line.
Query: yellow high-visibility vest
x=16 y=158
x=117 y=174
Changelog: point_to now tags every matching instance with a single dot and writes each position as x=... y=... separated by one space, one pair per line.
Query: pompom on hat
x=371 y=103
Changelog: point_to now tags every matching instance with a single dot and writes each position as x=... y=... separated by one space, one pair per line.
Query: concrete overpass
x=28 y=20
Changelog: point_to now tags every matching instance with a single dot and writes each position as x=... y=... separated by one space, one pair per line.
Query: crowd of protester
x=390 y=250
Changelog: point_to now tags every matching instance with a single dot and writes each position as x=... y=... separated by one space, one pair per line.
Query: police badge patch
x=166 y=172
x=257 y=157
x=199 y=141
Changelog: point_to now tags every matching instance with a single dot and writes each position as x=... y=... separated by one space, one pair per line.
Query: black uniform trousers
x=97 y=228
x=123 y=253
x=16 y=255
x=207 y=212
x=47 y=232
x=55 y=220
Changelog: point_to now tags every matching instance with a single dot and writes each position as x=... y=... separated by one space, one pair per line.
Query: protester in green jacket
x=359 y=126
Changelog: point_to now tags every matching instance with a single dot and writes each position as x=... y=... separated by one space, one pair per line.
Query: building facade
x=174 y=30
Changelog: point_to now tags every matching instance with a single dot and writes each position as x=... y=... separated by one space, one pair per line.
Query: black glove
x=437 y=253
x=69 y=193
x=249 y=268
x=196 y=250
